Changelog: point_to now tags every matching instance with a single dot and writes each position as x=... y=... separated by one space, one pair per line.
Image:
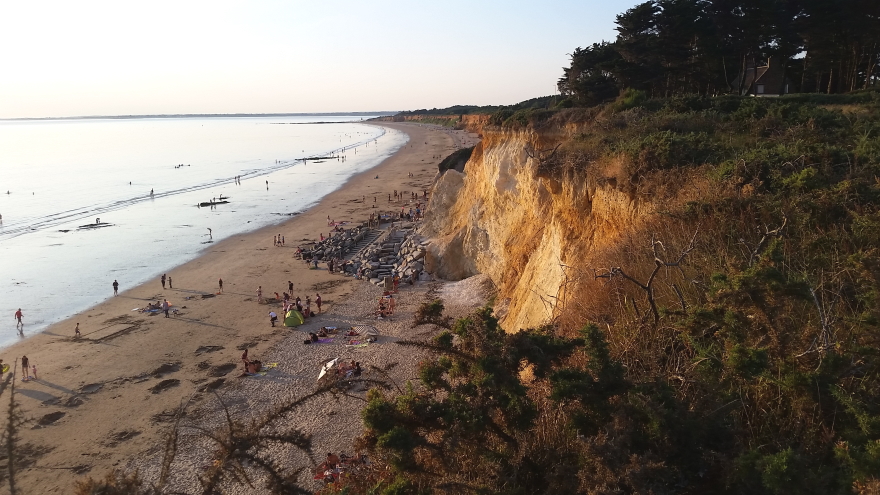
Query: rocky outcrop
x=523 y=228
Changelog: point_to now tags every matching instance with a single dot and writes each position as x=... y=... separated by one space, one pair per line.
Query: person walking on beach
x=260 y=294
x=290 y=286
x=115 y=288
x=18 y=323
x=25 y=369
x=165 y=307
x=244 y=358
x=282 y=241
x=34 y=369
x=221 y=286
x=76 y=333
x=275 y=240
x=318 y=302
x=210 y=236
x=163 y=280
x=169 y=283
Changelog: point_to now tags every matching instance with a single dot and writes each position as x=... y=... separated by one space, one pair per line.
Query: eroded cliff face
x=524 y=230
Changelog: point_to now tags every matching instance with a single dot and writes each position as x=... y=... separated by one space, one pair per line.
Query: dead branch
x=768 y=234
x=659 y=262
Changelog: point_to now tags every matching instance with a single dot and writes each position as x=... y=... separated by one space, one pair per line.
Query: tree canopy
x=673 y=47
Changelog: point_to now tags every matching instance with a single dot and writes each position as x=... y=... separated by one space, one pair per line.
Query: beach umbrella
x=327 y=367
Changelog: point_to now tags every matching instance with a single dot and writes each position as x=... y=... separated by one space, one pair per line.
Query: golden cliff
x=527 y=231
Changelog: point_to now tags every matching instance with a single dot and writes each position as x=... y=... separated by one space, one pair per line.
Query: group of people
x=27 y=368
x=288 y=302
x=164 y=278
x=349 y=370
x=251 y=366
x=386 y=306
x=162 y=306
x=278 y=241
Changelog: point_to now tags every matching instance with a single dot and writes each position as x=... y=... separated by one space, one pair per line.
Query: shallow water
x=62 y=175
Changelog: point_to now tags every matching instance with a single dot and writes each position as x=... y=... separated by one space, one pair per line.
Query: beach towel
x=264 y=371
x=324 y=341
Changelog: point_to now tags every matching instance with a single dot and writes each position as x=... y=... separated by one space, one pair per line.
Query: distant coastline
x=203 y=115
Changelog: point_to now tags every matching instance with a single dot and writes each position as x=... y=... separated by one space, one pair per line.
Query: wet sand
x=99 y=400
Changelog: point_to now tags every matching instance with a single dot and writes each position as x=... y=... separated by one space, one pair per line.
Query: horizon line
x=184 y=115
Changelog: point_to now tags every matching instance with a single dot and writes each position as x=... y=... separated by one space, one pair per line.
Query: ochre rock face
x=529 y=233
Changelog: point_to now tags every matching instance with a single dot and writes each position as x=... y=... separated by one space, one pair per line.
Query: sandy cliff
x=524 y=229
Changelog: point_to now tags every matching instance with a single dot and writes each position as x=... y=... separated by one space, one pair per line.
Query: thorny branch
x=768 y=234
x=659 y=263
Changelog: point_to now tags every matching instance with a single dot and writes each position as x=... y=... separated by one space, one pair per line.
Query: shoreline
x=94 y=405
x=59 y=261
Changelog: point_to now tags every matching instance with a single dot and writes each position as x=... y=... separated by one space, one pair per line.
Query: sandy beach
x=99 y=401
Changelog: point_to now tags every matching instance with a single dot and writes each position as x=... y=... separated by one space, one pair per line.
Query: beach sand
x=102 y=401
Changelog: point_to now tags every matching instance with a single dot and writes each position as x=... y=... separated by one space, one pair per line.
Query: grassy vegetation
x=740 y=341
x=533 y=103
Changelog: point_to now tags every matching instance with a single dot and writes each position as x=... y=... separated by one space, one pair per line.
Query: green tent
x=293 y=318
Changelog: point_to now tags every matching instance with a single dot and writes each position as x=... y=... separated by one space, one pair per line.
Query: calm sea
x=62 y=175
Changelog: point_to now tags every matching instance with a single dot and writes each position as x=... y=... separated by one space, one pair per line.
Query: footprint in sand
x=50 y=418
x=222 y=370
x=208 y=348
x=90 y=388
x=166 y=368
x=164 y=385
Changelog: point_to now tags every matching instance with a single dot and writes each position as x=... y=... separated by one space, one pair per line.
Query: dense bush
x=751 y=367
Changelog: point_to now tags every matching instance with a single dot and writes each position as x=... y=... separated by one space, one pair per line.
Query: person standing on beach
x=244 y=358
x=260 y=294
x=169 y=283
x=221 y=286
x=115 y=288
x=25 y=369
x=282 y=241
x=76 y=332
x=163 y=280
x=210 y=236
x=18 y=322
x=275 y=240
x=290 y=286
x=165 y=307
x=318 y=301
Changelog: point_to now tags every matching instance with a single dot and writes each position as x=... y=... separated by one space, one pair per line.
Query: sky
x=77 y=58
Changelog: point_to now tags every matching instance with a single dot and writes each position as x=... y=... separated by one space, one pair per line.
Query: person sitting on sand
x=254 y=366
x=331 y=461
x=313 y=337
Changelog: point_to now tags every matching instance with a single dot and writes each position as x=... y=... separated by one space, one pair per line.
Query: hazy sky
x=68 y=58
